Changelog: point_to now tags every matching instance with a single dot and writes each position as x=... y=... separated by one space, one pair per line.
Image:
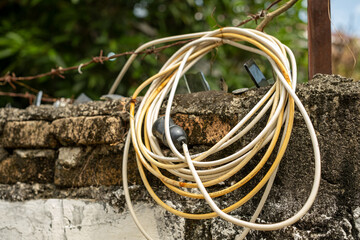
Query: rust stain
x=206 y=129
x=217 y=130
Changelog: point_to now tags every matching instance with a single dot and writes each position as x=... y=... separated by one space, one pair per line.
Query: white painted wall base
x=67 y=219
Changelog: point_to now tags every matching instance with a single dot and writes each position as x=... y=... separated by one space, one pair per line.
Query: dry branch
x=269 y=16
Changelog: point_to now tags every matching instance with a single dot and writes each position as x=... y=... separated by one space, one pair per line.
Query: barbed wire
x=259 y=15
x=29 y=96
x=13 y=80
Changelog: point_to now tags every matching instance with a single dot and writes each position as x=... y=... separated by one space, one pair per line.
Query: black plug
x=178 y=135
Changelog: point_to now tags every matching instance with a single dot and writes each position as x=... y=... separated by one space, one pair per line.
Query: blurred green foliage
x=38 y=35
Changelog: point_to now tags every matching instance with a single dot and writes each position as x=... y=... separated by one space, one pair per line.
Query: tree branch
x=269 y=16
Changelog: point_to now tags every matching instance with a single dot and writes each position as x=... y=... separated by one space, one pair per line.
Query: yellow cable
x=170 y=182
x=241 y=201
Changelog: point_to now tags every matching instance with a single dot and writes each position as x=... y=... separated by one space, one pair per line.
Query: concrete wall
x=72 y=219
x=60 y=169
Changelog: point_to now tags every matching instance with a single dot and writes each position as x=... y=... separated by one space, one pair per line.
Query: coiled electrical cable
x=280 y=101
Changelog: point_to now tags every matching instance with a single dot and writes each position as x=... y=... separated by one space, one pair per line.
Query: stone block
x=28 y=134
x=91 y=166
x=89 y=130
x=69 y=157
x=28 y=166
x=50 y=113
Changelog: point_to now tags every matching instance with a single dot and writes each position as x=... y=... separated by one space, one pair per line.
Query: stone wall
x=60 y=169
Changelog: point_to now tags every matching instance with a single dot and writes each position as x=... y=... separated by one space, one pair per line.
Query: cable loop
x=191 y=171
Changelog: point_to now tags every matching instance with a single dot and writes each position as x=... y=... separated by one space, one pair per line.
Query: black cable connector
x=178 y=135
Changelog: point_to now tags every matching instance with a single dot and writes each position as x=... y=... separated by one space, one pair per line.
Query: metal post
x=319 y=37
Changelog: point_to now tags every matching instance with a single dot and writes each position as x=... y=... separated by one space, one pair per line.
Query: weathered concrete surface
x=67 y=219
x=94 y=166
x=49 y=113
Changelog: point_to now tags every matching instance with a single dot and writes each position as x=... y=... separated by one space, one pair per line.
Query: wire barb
x=79 y=68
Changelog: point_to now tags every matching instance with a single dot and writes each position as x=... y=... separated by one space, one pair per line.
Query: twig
x=212 y=16
x=273 y=4
x=244 y=22
x=269 y=16
x=261 y=14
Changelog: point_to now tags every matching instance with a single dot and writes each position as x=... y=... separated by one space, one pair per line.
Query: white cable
x=126 y=187
x=147 y=45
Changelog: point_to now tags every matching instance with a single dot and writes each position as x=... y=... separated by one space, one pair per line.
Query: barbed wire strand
x=12 y=79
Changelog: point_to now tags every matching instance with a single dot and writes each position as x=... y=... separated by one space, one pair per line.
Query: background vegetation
x=38 y=35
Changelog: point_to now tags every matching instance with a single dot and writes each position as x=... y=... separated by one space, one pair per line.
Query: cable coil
x=280 y=101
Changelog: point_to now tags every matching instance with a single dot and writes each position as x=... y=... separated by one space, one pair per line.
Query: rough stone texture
x=89 y=166
x=35 y=153
x=205 y=129
x=356 y=215
x=2 y=123
x=3 y=153
x=334 y=107
x=88 y=130
x=50 y=113
x=28 y=166
x=69 y=157
x=28 y=134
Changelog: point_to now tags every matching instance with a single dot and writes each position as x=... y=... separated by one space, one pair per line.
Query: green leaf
x=15 y=37
x=6 y=53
